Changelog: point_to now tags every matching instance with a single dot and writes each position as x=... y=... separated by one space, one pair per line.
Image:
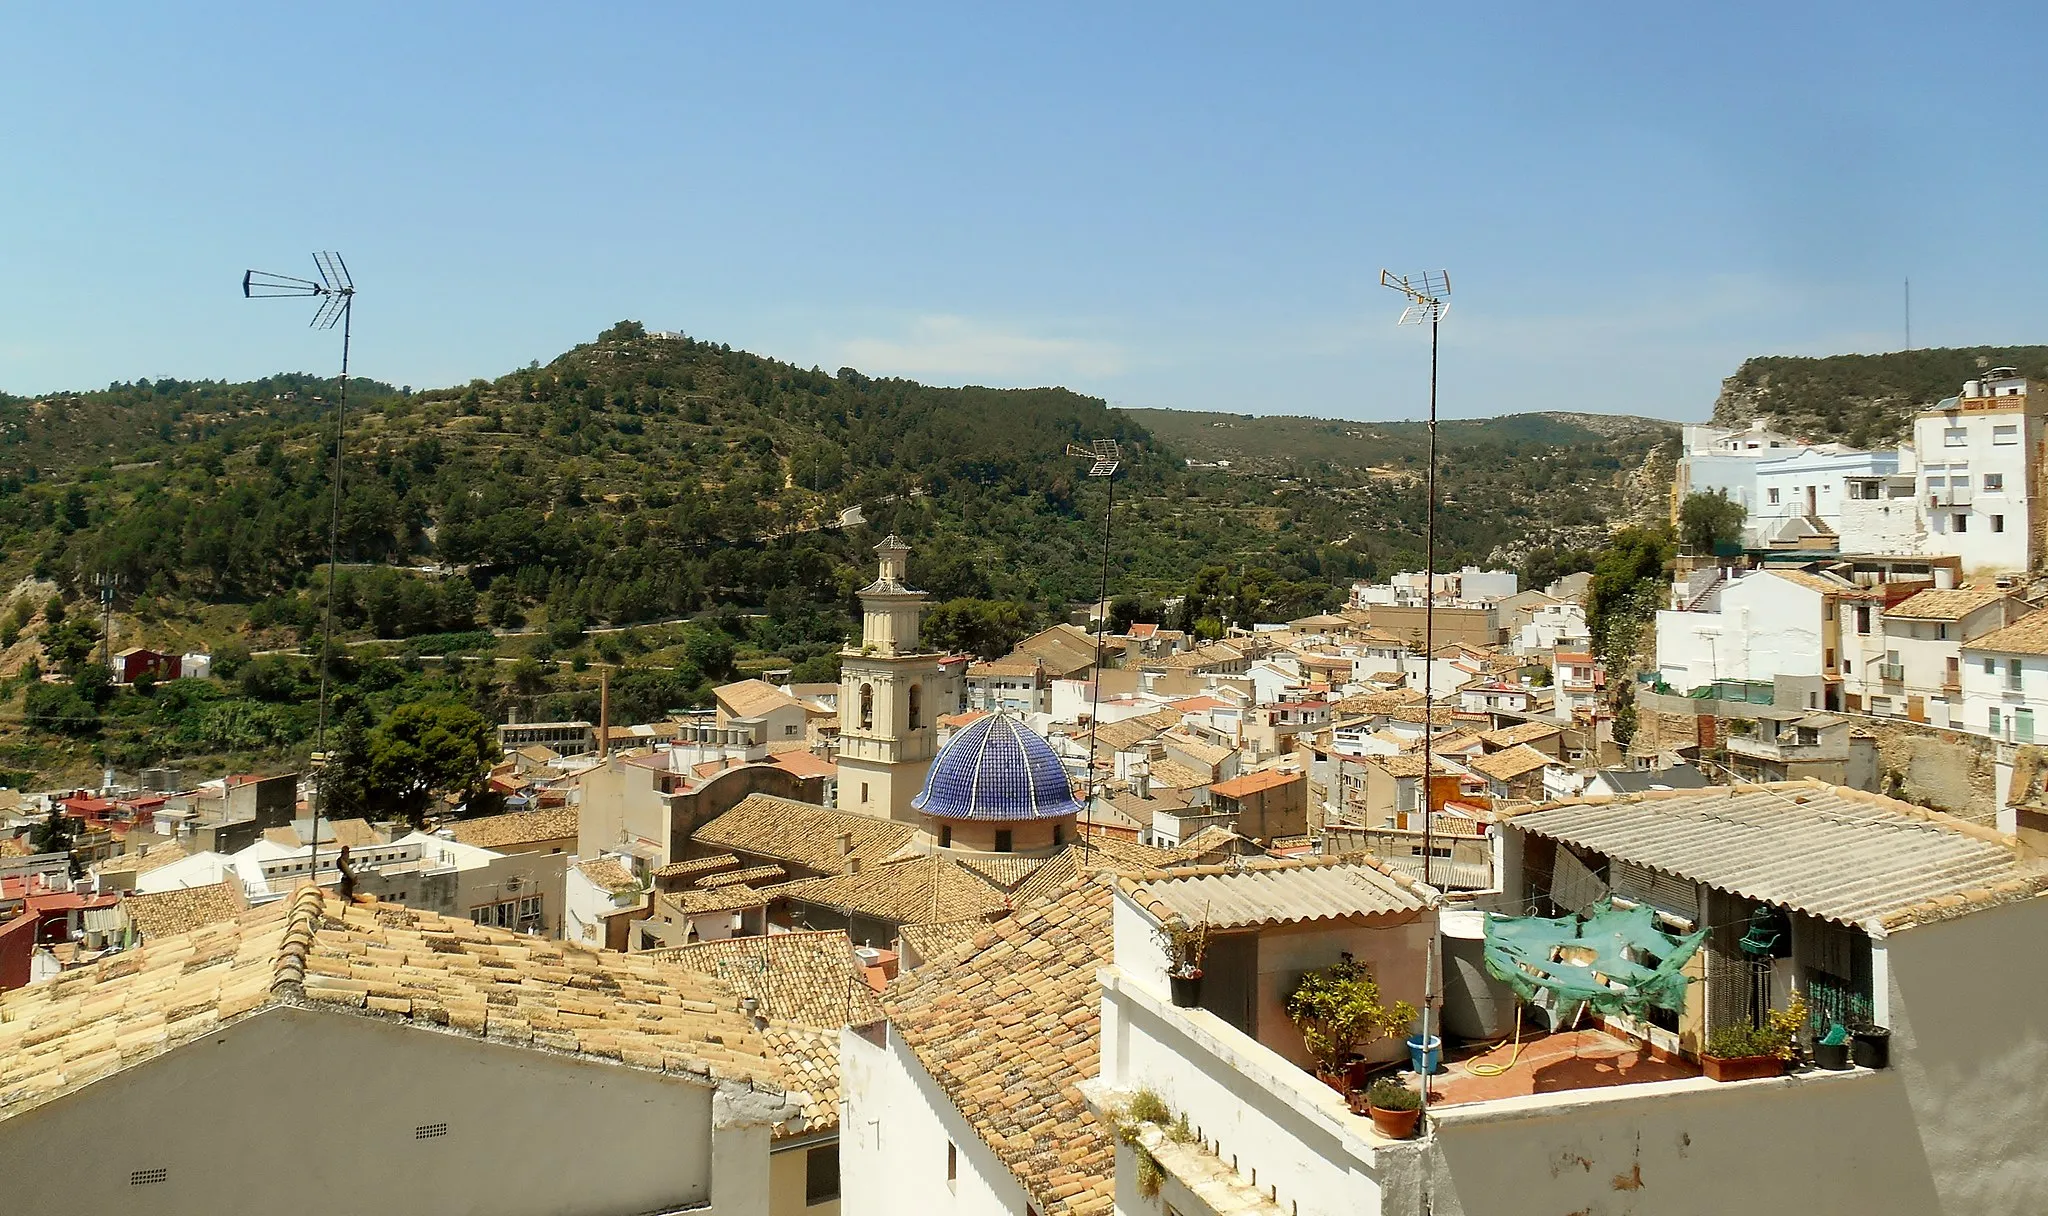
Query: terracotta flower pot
x=1741 y=1068
x=1396 y=1124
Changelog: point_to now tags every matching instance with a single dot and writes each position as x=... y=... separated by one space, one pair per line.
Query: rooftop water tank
x=1476 y=1005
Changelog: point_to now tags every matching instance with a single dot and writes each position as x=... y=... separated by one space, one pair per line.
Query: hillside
x=668 y=507
x=1861 y=400
x=1510 y=485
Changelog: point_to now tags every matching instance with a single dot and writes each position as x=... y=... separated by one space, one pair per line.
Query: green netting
x=1617 y=961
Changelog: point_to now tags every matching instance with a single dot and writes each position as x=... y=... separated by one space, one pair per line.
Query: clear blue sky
x=1169 y=205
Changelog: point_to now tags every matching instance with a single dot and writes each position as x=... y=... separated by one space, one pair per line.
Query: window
x=2006 y=434
x=1941 y=632
x=945 y=835
x=821 y=1175
x=1960 y=481
x=787 y=731
x=1991 y=667
x=1955 y=437
x=952 y=1163
x=916 y=706
x=2022 y=726
x=1994 y=483
x=1773 y=495
x=1960 y=522
x=1862 y=620
x=1003 y=840
x=863 y=791
x=1998 y=523
x=867 y=707
x=2012 y=674
x=1994 y=720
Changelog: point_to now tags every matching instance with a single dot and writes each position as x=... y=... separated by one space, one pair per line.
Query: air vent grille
x=146 y=1177
x=427 y=1131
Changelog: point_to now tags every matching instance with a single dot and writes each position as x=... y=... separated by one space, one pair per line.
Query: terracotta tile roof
x=519 y=827
x=1010 y=1028
x=697 y=865
x=1213 y=843
x=1407 y=764
x=1064 y=648
x=753 y=698
x=1011 y=666
x=168 y=913
x=750 y=876
x=811 y=979
x=810 y=1062
x=1521 y=732
x=1126 y=733
x=1509 y=764
x=1001 y=870
x=903 y=892
x=376 y=960
x=2028 y=635
x=1948 y=605
x=1377 y=703
x=356 y=833
x=801 y=834
x=805 y=763
x=1173 y=775
x=608 y=875
x=160 y=855
x=933 y=938
x=1827 y=584
x=715 y=899
x=1252 y=783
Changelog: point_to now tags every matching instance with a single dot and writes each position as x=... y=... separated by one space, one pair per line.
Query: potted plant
x=1742 y=1053
x=1870 y=1045
x=1185 y=945
x=1338 y=1011
x=1395 y=1108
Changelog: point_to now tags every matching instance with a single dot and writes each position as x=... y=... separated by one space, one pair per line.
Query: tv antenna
x=1429 y=295
x=336 y=292
x=1105 y=457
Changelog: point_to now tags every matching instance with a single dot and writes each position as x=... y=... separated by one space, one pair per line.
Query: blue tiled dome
x=997 y=768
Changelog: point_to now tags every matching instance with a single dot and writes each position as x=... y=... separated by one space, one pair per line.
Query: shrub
x=1338 y=1009
x=1387 y=1093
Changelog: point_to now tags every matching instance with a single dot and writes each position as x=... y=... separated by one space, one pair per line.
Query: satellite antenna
x=336 y=292
x=1104 y=457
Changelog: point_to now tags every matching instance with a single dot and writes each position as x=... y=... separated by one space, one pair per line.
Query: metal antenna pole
x=336 y=291
x=1429 y=641
x=1105 y=455
x=1428 y=299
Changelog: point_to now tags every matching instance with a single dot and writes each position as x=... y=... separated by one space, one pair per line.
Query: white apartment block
x=1771 y=623
x=1977 y=468
x=1906 y=660
x=2005 y=681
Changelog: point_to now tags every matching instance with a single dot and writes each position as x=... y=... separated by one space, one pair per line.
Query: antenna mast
x=336 y=292
x=1105 y=456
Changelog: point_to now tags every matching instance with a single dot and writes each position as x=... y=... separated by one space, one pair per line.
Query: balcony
x=1950 y=496
x=1891 y=672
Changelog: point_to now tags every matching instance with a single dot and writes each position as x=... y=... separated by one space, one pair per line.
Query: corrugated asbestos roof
x=1831 y=852
x=1276 y=893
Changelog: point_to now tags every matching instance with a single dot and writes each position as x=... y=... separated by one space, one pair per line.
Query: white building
x=439 y=1067
x=1771 y=623
x=2005 y=681
x=1724 y=460
x=1906 y=660
x=1977 y=470
x=1862 y=500
x=1920 y=932
x=1562 y=623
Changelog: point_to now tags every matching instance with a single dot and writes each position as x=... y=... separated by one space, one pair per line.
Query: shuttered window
x=1677 y=896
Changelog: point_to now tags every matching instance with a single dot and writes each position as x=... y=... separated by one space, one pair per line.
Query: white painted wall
x=1994 y=442
x=895 y=1124
x=528 y=1131
x=1986 y=687
x=1767 y=627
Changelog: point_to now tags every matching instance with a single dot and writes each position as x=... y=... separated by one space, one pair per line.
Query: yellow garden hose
x=1495 y=1070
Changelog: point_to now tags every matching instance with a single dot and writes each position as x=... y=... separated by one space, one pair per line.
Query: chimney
x=852 y=864
x=846 y=844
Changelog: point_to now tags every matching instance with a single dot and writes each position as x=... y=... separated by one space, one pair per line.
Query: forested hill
x=641 y=477
x=1861 y=400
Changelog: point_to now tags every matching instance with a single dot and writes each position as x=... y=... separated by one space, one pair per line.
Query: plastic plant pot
x=1832 y=1056
x=1187 y=990
x=1426 y=1058
x=1871 y=1047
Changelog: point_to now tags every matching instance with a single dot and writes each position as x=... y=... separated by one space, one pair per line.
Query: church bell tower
x=887 y=697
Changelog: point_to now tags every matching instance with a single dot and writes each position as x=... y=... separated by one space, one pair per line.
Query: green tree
x=428 y=747
x=54 y=834
x=1628 y=586
x=989 y=628
x=1710 y=520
